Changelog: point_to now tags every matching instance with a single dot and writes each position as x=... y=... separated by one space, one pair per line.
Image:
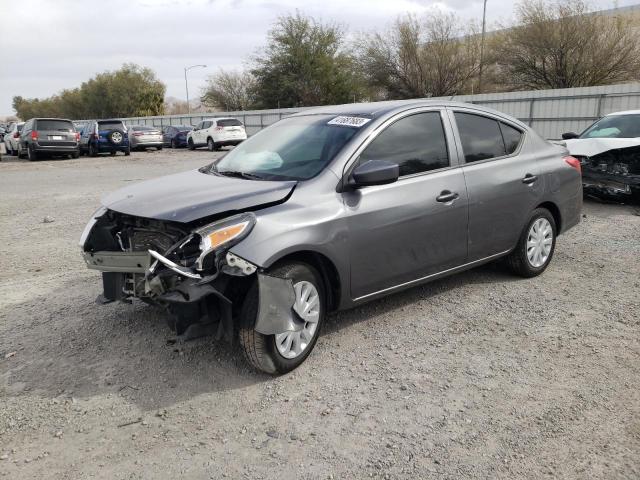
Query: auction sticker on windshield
x=349 y=121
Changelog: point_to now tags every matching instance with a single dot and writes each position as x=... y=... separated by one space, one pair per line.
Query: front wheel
x=211 y=145
x=191 y=144
x=127 y=152
x=536 y=245
x=173 y=144
x=283 y=352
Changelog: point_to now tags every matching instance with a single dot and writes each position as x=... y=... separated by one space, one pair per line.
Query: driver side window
x=417 y=143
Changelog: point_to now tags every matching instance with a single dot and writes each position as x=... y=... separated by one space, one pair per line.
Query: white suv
x=215 y=133
x=11 y=138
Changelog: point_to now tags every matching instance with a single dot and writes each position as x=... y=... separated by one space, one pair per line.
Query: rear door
x=231 y=129
x=405 y=231
x=504 y=184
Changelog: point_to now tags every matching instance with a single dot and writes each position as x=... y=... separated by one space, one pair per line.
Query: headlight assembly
x=222 y=235
x=87 y=229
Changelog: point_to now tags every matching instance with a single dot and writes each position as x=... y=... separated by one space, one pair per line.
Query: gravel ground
x=480 y=375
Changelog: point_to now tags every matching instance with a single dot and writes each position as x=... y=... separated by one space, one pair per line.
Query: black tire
x=93 y=151
x=173 y=143
x=127 y=152
x=31 y=154
x=518 y=261
x=75 y=155
x=191 y=145
x=260 y=350
x=211 y=145
x=159 y=148
x=113 y=154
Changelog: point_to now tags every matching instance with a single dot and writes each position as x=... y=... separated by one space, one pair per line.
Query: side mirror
x=374 y=172
x=569 y=135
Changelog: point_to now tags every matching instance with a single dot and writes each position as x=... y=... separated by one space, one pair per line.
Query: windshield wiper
x=238 y=174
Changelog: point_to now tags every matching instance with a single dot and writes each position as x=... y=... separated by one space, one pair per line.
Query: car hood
x=188 y=196
x=589 y=147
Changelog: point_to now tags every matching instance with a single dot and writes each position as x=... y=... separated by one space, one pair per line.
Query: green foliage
x=303 y=64
x=130 y=91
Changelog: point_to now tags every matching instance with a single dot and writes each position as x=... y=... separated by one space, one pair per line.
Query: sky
x=50 y=45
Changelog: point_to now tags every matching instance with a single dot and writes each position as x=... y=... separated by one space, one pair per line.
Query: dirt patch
x=480 y=375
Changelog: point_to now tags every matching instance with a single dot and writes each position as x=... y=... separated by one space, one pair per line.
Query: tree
x=432 y=57
x=230 y=91
x=131 y=91
x=305 y=63
x=562 y=45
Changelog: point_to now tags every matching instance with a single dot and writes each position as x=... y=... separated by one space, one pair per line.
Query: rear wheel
x=127 y=152
x=173 y=143
x=536 y=245
x=285 y=351
x=191 y=145
x=159 y=148
x=211 y=145
x=31 y=154
x=93 y=151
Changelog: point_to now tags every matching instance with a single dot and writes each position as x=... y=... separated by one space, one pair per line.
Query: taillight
x=77 y=136
x=34 y=135
x=574 y=162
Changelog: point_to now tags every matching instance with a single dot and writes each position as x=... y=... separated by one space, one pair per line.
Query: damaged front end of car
x=186 y=269
x=612 y=174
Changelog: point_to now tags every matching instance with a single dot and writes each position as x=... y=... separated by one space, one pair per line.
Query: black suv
x=104 y=136
x=52 y=136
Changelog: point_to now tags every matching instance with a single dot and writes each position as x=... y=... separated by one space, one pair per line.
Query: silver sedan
x=142 y=137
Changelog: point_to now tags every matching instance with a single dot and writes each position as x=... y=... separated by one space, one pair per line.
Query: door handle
x=529 y=179
x=446 y=196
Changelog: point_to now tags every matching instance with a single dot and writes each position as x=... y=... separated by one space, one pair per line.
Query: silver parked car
x=142 y=137
x=330 y=208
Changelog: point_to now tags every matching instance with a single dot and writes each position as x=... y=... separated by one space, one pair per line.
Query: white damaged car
x=609 y=152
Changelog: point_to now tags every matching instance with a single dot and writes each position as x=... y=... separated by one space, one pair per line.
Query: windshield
x=295 y=148
x=614 y=126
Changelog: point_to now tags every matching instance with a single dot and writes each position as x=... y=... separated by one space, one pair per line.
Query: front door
x=417 y=226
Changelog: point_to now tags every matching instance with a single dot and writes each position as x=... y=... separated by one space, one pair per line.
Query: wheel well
x=555 y=212
x=327 y=270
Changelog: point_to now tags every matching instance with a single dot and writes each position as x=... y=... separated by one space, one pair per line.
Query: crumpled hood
x=188 y=196
x=589 y=147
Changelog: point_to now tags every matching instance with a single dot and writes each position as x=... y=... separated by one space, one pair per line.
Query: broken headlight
x=87 y=229
x=222 y=235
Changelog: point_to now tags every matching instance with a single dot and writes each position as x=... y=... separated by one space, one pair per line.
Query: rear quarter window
x=511 y=136
x=55 y=125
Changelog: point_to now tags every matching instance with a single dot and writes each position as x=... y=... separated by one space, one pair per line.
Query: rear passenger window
x=416 y=143
x=511 y=137
x=480 y=136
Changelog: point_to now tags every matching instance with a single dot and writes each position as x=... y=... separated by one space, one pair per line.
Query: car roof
x=625 y=112
x=376 y=109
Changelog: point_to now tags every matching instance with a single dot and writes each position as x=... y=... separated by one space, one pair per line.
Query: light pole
x=186 y=83
x=484 y=24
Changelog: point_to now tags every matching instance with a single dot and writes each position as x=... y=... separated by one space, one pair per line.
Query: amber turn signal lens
x=223 y=235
